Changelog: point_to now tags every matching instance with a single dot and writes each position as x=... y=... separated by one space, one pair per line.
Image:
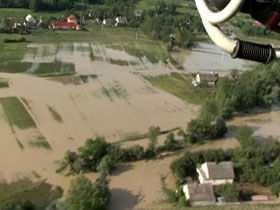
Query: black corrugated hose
x=254 y=52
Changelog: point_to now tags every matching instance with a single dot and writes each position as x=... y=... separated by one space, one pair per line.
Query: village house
x=107 y=21
x=138 y=12
x=199 y=194
x=121 y=21
x=216 y=173
x=71 y=24
x=210 y=79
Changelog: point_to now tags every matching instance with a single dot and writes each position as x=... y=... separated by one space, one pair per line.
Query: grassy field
x=40 y=193
x=4 y=83
x=16 y=113
x=21 y=13
x=180 y=86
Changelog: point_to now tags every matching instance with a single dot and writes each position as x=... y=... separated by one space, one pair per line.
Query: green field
x=4 y=83
x=180 y=86
x=16 y=113
x=21 y=13
x=40 y=193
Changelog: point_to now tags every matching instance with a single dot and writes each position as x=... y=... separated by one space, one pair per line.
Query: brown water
x=117 y=103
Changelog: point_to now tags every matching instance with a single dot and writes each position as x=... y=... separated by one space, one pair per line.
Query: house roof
x=201 y=192
x=207 y=77
x=222 y=170
x=65 y=24
x=72 y=17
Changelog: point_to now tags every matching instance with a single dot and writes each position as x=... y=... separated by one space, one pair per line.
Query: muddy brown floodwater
x=117 y=101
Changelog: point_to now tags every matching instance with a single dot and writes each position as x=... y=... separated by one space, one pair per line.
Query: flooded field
x=102 y=97
x=72 y=91
x=205 y=57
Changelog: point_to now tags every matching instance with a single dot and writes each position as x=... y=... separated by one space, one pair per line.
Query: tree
x=228 y=191
x=170 y=142
x=275 y=188
x=17 y=205
x=93 y=151
x=85 y=195
x=153 y=137
x=106 y=165
x=200 y=129
x=184 y=167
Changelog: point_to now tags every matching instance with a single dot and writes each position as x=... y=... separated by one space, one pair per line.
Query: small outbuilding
x=216 y=173
x=199 y=194
x=209 y=78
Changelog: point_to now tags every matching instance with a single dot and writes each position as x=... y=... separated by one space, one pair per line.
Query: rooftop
x=201 y=192
x=222 y=170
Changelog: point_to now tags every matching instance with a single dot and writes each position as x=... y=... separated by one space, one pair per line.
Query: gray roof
x=207 y=77
x=222 y=170
x=201 y=193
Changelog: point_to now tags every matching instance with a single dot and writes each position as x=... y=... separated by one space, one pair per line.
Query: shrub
x=228 y=191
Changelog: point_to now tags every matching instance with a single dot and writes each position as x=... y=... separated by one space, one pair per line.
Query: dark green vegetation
x=180 y=86
x=99 y=156
x=227 y=191
x=25 y=193
x=83 y=194
x=16 y=113
x=4 y=83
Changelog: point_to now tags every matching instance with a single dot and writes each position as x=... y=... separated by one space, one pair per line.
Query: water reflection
x=208 y=57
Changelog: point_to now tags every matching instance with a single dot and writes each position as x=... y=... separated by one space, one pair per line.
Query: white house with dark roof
x=216 y=173
x=199 y=194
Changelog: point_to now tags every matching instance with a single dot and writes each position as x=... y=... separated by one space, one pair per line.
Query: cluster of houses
x=72 y=22
x=209 y=174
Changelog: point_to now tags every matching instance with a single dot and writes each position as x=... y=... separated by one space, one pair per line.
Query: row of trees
x=99 y=156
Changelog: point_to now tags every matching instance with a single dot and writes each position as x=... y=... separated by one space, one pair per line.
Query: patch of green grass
x=16 y=113
x=21 y=13
x=55 y=114
x=132 y=49
x=180 y=86
x=15 y=67
x=4 y=83
x=40 y=142
x=119 y=62
x=40 y=193
x=56 y=68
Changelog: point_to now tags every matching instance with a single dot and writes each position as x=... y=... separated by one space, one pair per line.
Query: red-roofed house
x=71 y=24
x=72 y=19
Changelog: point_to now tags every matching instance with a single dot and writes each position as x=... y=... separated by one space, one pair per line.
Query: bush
x=228 y=191
x=184 y=167
x=275 y=188
x=170 y=142
x=22 y=39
